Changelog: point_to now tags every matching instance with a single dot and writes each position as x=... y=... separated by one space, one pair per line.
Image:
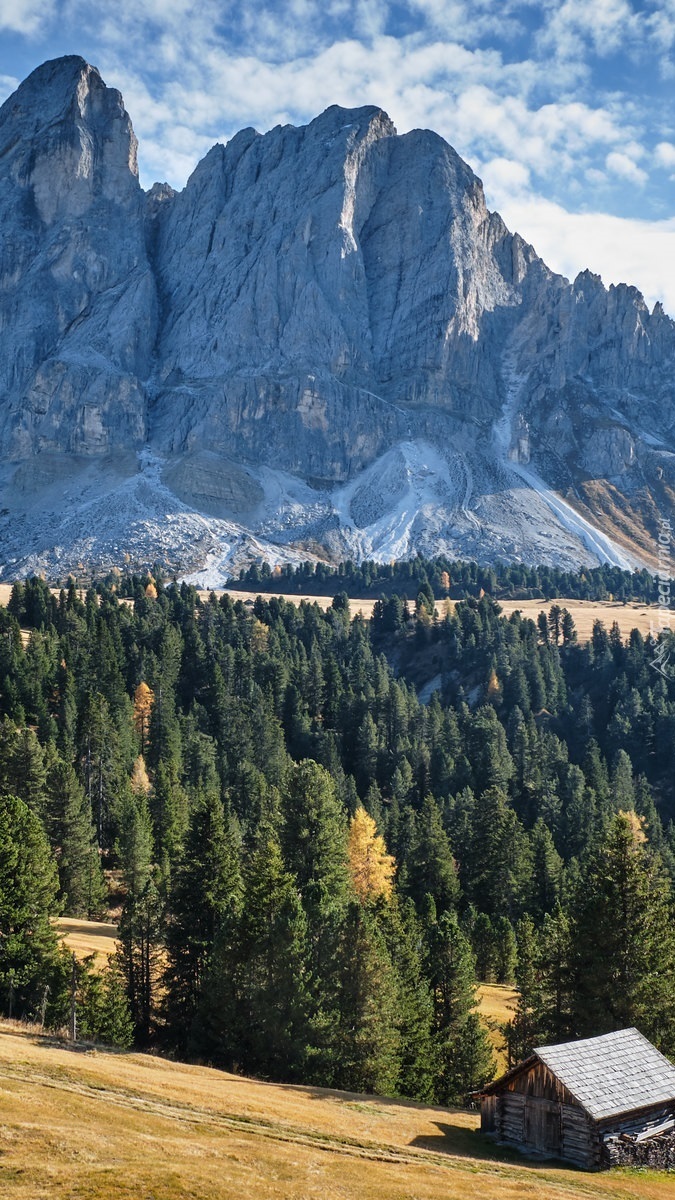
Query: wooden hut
x=586 y=1101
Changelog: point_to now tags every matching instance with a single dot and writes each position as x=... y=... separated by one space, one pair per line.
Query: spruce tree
x=623 y=944
x=506 y=952
x=205 y=892
x=414 y=1009
x=255 y=1011
x=523 y=1031
x=547 y=869
x=28 y=898
x=82 y=883
x=368 y=1040
x=103 y=1012
x=430 y=867
x=497 y=858
x=464 y=1055
x=484 y=948
x=140 y=922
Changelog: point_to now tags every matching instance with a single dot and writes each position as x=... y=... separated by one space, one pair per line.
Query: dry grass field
x=585 y=612
x=82 y=1124
x=88 y=937
x=496 y=1007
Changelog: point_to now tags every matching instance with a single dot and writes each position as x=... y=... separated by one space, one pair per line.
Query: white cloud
x=26 y=16
x=8 y=84
x=575 y=25
x=622 y=165
x=664 y=154
x=503 y=176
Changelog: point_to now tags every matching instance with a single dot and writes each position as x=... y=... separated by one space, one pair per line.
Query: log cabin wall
x=541 y=1083
x=535 y=1112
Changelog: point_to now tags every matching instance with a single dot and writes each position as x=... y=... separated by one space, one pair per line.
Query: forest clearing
x=116 y=1126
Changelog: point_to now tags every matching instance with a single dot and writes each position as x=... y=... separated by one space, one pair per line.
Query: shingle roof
x=612 y=1074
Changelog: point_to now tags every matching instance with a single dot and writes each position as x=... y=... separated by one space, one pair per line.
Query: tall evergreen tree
x=205 y=892
x=28 y=898
x=255 y=1012
x=465 y=1060
x=140 y=922
x=430 y=867
x=368 y=1045
x=623 y=951
x=83 y=887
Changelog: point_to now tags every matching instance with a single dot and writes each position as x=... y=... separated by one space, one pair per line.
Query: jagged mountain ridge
x=325 y=344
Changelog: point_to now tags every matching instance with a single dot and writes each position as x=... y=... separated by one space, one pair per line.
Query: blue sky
x=565 y=108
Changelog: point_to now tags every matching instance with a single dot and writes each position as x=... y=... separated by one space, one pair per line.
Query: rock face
x=324 y=344
x=78 y=310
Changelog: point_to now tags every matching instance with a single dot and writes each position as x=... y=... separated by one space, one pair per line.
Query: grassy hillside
x=91 y=1125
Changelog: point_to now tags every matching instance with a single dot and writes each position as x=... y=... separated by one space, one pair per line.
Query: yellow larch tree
x=372 y=869
x=144 y=698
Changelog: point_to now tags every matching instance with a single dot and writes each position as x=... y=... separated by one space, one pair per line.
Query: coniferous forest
x=312 y=866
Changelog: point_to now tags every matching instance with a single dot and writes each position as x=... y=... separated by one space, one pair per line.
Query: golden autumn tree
x=446 y=582
x=372 y=869
x=494 y=687
x=144 y=698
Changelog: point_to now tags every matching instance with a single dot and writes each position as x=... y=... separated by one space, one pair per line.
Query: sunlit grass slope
x=90 y=1125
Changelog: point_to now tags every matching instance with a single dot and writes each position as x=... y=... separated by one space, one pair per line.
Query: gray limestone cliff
x=77 y=294
x=324 y=344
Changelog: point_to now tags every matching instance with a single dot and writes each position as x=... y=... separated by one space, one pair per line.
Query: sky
x=564 y=108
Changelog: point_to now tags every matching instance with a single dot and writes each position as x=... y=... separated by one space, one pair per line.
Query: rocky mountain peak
x=68 y=139
x=324 y=344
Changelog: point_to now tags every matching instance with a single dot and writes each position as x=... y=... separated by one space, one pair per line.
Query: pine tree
x=205 y=892
x=314 y=843
x=414 y=1009
x=496 y=865
x=623 y=955
x=255 y=1012
x=314 y=839
x=430 y=867
x=368 y=1040
x=464 y=1053
x=28 y=891
x=82 y=884
x=506 y=952
x=140 y=922
x=22 y=768
x=103 y=1006
x=547 y=869
x=555 y=980
x=484 y=948
x=523 y=1031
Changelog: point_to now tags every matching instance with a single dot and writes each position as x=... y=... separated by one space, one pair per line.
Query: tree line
x=447 y=577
